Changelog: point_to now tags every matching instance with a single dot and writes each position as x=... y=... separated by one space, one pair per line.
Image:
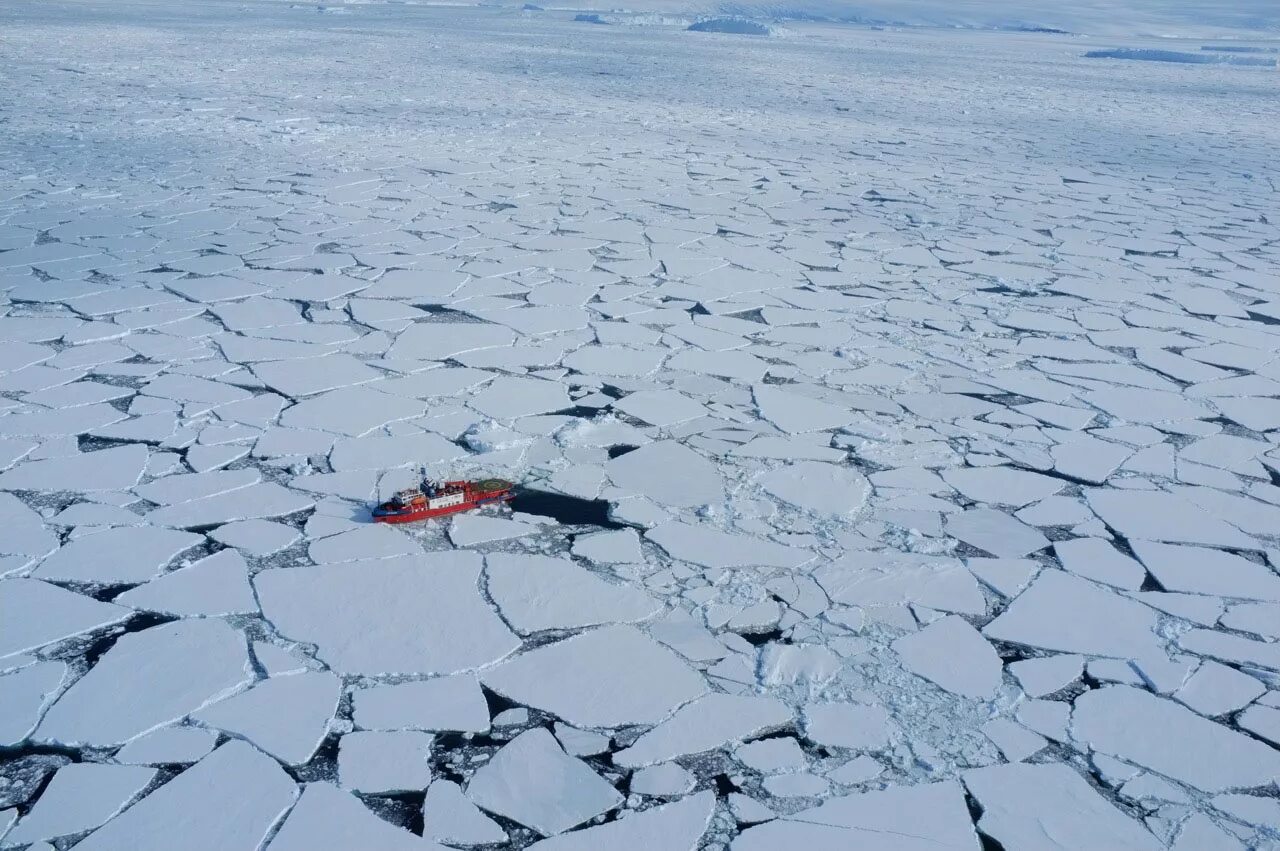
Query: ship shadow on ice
x=567 y=510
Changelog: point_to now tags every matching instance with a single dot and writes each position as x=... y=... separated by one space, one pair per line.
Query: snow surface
x=895 y=401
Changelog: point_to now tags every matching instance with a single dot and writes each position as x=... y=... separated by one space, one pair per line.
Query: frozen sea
x=896 y=411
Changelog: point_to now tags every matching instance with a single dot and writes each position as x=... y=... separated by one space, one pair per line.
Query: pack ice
x=893 y=403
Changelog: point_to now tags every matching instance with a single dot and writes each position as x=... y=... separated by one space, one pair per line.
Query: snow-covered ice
x=449 y=817
x=535 y=593
x=35 y=613
x=678 y=826
x=215 y=585
x=327 y=817
x=931 y=815
x=80 y=797
x=954 y=655
x=394 y=615
x=711 y=721
x=533 y=782
x=578 y=679
x=228 y=800
x=147 y=679
x=287 y=717
x=1050 y=806
x=879 y=475
x=169 y=745
x=446 y=703
x=116 y=555
x=380 y=763
x=1156 y=733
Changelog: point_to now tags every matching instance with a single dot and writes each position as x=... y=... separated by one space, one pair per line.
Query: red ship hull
x=455 y=497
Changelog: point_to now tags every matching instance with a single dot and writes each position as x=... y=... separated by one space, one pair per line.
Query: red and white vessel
x=430 y=499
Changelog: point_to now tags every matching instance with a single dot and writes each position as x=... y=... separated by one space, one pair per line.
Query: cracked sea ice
x=899 y=429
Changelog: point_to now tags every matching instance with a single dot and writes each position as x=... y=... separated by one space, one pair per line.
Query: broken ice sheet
x=536 y=593
x=117 y=555
x=713 y=548
x=892 y=578
x=846 y=725
x=677 y=826
x=449 y=817
x=168 y=746
x=379 y=763
x=1062 y=612
x=470 y=529
x=709 y=722
x=954 y=655
x=1002 y=485
x=388 y=616
x=80 y=797
x=668 y=780
x=668 y=472
x=817 y=487
x=215 y=585
x=1150 y=731
x=118 y=468
x=147 y=679
x=618 y=547
x=1200 y=570
x=228 y=800
x=1050 y=806
x=446 y=703
x=24 y=695
x=327 y=817
x=794 y=413
x=259 y=501
x=995 y=532
x=1159 y=516
x=867 y=306
x=286 y=717
x=926 y=817
x=35 y=613
x=533 y=782
x=578 y=679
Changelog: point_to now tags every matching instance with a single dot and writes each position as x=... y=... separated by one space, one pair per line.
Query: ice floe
x=325 y=816
x=821 y=488
x=446 y=703
x=533 y=782
x=536 y=593
x=927 y=816
x=578 y=679
x=147 y=679
x=286 y=717
x=24 y=695
x=1159 y=734
x=394 y=615
x=80 y=797
x=954 y=655
x=1050 y=806
x=215 y=585
x=228 y=800
x=833 y=424
x=449 y=817
x=711 y=721
x=1062 y=612
x=117 y=555
x=678 y=826
x=379 y=763
x=35 y=613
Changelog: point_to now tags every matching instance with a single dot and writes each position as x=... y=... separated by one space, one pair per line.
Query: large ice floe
x=895 y=418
